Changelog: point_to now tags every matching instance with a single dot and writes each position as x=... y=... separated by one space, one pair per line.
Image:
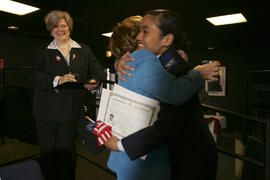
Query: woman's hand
x=121 y=67
x=91 y=84
x=66 y=78
x=112 y=143
x=209 y=71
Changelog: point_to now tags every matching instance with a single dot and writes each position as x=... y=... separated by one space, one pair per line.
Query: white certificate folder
x=126 y=111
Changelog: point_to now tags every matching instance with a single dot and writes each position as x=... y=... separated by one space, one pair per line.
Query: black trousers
x=57 y=147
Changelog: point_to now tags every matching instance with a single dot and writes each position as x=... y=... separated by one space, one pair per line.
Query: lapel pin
x=58 y=59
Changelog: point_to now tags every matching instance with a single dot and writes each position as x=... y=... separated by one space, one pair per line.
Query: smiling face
x=150 y=36
x=61 y=31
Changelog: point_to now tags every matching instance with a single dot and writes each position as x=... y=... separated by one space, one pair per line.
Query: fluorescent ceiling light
x=109 y=34
x=227 y=19
x=13 y=27
x=16 y=7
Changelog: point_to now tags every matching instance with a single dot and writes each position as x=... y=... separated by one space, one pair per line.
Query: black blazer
x=65 y=102
x=182 y=128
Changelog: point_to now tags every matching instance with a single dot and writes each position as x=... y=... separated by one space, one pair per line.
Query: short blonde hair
x=124 y=36
x=52 y=18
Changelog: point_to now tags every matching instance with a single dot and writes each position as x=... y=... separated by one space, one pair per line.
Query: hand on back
x=121 y=67
x=209 y=71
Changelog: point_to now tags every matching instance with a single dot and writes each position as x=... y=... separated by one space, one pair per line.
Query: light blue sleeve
x=154 y=79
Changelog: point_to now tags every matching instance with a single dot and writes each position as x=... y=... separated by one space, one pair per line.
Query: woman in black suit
x=63 y=70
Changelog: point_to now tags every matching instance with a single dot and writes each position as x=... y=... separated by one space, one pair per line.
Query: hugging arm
x=155 y=80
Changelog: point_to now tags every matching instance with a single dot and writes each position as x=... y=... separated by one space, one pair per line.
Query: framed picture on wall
x=218 y=87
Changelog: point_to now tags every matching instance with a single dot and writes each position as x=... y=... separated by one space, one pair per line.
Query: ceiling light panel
x=227 y=19
x=16 y=7
x=109 y=34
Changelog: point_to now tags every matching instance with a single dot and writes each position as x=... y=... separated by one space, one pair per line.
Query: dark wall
x=17 y=51
x=238 y=62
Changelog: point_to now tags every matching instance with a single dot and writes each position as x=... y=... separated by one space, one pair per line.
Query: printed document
x=126 y=111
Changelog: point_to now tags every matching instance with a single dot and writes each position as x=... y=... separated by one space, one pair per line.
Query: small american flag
x=103 y=132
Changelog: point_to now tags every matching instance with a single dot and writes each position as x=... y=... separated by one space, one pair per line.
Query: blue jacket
x=150 y=79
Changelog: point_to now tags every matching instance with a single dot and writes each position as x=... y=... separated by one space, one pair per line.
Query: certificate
x=126 y=111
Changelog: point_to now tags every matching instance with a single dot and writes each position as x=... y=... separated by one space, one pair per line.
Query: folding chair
x=27 y=170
